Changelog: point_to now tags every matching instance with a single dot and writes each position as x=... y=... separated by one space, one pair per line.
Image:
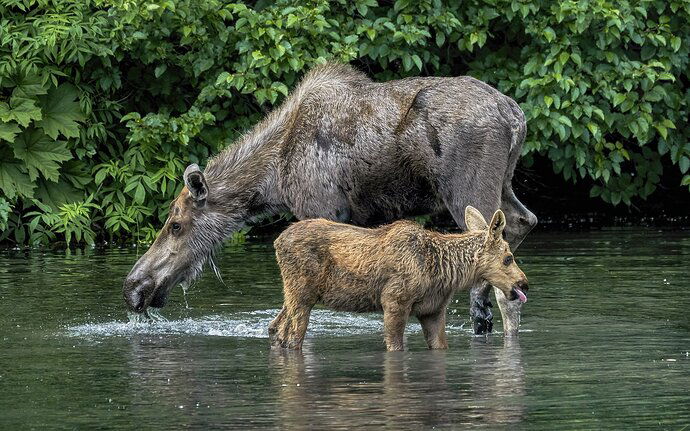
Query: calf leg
x=287 y=330
x=276 y=324
x=394 y=322
x=434 y=327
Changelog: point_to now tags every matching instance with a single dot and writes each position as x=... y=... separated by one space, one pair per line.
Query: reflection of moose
x=401 y=390
x=345 y=148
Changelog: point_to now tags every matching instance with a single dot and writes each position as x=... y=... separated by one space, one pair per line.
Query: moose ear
x=196 y=183
x=498 y=223
x=474 y=219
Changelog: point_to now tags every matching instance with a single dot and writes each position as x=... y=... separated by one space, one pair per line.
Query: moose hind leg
x=287 y=330
x=275 y=326
x=434 y=327
x=298 y=328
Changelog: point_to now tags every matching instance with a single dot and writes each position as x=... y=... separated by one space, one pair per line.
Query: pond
x=604 y=343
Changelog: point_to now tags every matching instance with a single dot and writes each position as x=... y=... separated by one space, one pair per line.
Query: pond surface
x=604 y=345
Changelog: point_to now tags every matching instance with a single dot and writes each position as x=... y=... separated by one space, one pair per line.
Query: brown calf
x=400 y=269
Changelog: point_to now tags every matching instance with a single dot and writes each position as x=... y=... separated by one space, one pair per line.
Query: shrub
x=104 y=102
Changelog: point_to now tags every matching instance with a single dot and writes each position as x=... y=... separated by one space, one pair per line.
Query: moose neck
x=242 y=179
x=457 y=258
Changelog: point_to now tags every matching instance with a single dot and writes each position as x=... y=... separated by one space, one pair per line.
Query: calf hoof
x=482 y=317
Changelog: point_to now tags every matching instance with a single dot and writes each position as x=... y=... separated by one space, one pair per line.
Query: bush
x=104 y=102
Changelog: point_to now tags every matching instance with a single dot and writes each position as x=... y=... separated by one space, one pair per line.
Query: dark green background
x=103 y=103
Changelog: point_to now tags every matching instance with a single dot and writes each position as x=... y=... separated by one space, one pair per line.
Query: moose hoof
x=482 y=317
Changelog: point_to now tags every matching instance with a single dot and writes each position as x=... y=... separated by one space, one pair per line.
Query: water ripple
x=252 y=324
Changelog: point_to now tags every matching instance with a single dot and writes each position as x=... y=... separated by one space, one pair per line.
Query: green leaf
x=684 y=164
x=40 y=153
x=563 y=58
x=8 y=131
x=14 y=180
x=593 y=128
x=417 y=61
x=21 y=110
x=55 y=194
x=655 y=94
x=139 y=194
x=576 y=58
x=161 y=70
x=618 y=98
x=675 y=43
x=26 y=85
x=61 y=112
x=565 y=120
x=662 y=130
x=549 y=34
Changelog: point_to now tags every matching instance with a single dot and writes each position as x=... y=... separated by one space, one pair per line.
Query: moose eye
x=176 y=227
x=508 y=260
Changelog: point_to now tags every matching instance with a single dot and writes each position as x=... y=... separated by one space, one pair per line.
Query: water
x=604 y=344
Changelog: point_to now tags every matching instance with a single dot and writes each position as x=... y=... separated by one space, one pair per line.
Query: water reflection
x=604 y=344
x=481 y=387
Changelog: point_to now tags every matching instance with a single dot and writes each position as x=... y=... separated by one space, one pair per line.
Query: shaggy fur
x=348 y=149
x=400 y=269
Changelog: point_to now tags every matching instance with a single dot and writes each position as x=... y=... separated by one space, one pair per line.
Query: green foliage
x=104 y=102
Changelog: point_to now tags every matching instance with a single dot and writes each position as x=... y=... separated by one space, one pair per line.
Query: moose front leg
x=510 y=313
x=480 y=309
x=460 y=191
x=394 y=322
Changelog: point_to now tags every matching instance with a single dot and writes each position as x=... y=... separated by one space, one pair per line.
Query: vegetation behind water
x=104 y=102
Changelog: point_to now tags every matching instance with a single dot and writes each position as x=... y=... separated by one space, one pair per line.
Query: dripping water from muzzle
x=150 y=315
x=185 y=289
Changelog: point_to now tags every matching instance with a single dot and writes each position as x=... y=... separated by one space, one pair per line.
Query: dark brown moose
x=400 y=269
x=348 y=149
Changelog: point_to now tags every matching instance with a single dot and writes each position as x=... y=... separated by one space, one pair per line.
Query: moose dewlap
x=400 y=269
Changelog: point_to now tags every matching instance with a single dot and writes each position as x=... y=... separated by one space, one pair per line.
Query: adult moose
x=348 y=149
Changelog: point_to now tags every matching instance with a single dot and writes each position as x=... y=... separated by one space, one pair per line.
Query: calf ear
x=196 y=183
x=498 y=223
x=474 y=219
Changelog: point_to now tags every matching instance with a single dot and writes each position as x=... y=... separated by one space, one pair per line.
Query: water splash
x=252 y=324
x=151 y=314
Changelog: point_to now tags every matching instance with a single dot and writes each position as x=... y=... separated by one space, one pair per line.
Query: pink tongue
x=521 y=296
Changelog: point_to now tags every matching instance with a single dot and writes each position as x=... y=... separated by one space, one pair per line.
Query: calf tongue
x=521 y=296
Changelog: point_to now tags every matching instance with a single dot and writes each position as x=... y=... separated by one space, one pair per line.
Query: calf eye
x=508 y=260
x=176 y=227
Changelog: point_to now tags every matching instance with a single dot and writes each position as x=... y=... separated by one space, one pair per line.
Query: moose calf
x=400 y=269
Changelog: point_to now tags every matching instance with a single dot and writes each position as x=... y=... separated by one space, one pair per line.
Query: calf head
x=495 y=262
x=184 y=244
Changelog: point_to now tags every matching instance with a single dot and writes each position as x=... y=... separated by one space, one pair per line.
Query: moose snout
x=522 y=285
x=518 y=291
x=134 y=293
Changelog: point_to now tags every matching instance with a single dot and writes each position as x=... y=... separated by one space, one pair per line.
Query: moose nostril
x=134 y=300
